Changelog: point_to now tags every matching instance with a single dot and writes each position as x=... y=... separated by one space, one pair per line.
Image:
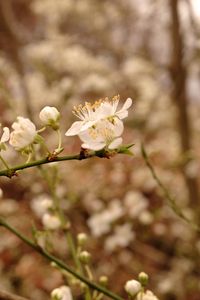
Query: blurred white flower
x=135 y=203
x=122 y=237
x=148 y=295
x=100 y=223
x=41 y=204
x=49 y=115
x=5 y=135
x=132 y=287
x=103 y=134
x=24 y=133
x=62 y=293
x=50 y=221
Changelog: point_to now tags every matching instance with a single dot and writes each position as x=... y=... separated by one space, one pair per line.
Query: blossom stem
x=170 y=200
x=59 y=139
x=10 y=172
x=4 y=163
x=59 y=262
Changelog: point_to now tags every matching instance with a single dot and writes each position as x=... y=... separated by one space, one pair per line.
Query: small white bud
x=143 y=278
x=82 y=238
x=132 y=287
x=50 y=116
x=50 y=221
x=85 y=257
x=61 y=293
x=1 y=193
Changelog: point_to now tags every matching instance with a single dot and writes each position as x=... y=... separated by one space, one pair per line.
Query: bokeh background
x=64 y=52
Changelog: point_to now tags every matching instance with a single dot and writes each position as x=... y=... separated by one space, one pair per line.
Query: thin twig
x=59 y=262
x=84 y=154
x=171 y=201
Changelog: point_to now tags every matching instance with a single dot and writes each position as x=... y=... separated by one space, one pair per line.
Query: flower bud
x=143 y=278
x=103 y=280
x=50 y=221
x=132 y=287
x=82 y=238
x=50 y=116
x=85 y=257
x=61 y=293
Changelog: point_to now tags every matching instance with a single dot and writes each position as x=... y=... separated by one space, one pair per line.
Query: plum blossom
x=103 y=109
x=102 y=134
x=24 y=133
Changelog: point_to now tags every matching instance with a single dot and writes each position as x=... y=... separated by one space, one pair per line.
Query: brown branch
x=179 y=78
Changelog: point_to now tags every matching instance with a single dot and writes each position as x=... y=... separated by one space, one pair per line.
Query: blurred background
x=64 y=52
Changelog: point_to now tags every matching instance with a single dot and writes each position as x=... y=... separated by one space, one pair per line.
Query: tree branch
x=170 y=200
x=61 y=264
x=84 y=154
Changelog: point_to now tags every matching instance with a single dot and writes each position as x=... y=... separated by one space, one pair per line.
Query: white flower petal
x=74 y=129
x=94 y=146
x=122 y=114
x=115 y=144
x=118 y=127
x=127 y=104
x=88 y=125
x=6 y=135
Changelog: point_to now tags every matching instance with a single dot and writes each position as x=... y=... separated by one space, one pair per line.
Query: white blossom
x=49 y=115
x=5 y=135
x=132 y=287
x=61 y=293
x=123 y=235
x=103 y=134
x=24 y=133
x=103 y=109
x=108 y=108
x=50 y=221
x=148 y=295
x=41 y=204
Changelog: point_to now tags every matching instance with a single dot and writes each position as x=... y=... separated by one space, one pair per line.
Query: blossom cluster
x=100 y=126
x=100 y=123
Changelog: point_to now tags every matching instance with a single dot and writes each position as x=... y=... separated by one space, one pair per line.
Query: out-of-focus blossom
x=100 y=223
x=103 y=134
x=24 y=133
x=132 y=287
x=5 y=135
x=122 y=237
x=49 y=115
x=41 y=204
x=50 y=221
x=62 y=293
x=148 y=295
